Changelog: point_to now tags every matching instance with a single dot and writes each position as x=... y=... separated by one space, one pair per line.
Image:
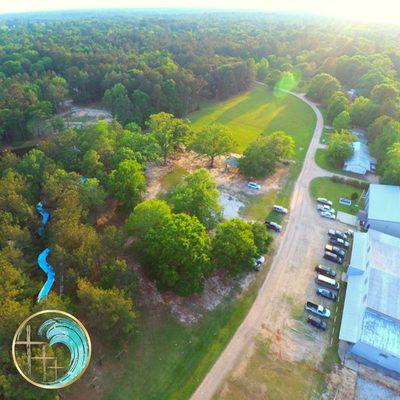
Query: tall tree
x=109 y=312
x=117 y=101
x=391 y=166
x=213 y=141
x=169 y=132
x=177 y=254
x=233 y=246
x=198 y=195
x=342 y=121
x=127 y=182
x=340 y=147
x=261 y=157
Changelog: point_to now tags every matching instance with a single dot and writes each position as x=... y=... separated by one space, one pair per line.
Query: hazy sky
x=371 y=10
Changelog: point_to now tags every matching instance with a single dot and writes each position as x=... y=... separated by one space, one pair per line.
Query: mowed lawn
x=325 y=187
x=257 y=111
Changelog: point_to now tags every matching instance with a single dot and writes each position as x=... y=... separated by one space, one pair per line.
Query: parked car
x=254 y=185
x=335 y=250
x=339 y=242
x=333 y=257
x=324 y=207
x=323 y=200
x=336 y=233
x=327 y=214
x=280 y=209
x=274 y=226
x=258 y=263
x=317 y=309
x=326 y=293
x=317 y=322
x=324 y=270
x=329 y=283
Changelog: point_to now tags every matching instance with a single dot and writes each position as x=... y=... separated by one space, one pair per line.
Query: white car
x=257 y=263
x=327 y=214
x=324 y=207
x=323 y=200
x=254 y=185
x=280 y=209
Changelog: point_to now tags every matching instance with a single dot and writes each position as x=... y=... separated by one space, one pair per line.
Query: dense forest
x=141 y=64
x=151 y=71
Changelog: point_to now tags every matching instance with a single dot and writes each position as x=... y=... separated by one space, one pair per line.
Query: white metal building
x=382 y=209
x=370 y=328
x=361 y=161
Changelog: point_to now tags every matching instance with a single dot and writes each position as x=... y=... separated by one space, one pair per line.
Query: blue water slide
x=45 y=216
x=49 y=271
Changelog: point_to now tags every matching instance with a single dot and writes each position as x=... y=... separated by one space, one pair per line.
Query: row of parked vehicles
x=272 y=225
x=324 y=206
x=328 y=286
x=335 y=250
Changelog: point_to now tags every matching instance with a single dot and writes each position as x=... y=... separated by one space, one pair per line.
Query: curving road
x=289 y=256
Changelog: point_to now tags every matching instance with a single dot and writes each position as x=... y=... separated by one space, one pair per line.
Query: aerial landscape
x=199 y=201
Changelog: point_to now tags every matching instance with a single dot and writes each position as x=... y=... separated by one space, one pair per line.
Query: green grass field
x=253 y=113
x=325 y=187
x=167 y=360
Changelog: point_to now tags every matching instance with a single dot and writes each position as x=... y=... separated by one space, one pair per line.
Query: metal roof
x=372 y=305
x=382 y=333
x=360 y=161
x=384 y=202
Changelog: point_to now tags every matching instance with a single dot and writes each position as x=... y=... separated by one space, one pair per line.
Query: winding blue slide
x=49 y=271
x=45 y=216
x=42 y=258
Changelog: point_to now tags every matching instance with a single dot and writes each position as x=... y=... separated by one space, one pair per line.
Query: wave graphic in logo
x=51 y=349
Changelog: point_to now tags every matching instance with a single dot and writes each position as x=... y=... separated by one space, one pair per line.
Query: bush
x=351 y=182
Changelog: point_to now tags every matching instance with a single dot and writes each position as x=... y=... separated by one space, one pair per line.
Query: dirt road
x=291 y=270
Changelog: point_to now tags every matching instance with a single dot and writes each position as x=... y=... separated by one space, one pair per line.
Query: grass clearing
x=257 y=207
x=167 y=360
x=259 y=111
x=266 y=377
x=325 y=187
x=170 y=180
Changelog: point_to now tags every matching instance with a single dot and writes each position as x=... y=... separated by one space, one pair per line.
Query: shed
x=361 y=161
x=231 y=163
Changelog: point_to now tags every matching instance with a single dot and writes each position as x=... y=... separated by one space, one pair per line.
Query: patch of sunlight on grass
x=174 y=177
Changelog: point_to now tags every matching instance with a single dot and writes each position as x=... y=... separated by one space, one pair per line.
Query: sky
x=383 y=11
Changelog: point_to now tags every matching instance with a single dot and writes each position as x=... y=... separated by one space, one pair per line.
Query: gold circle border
x=19 y=330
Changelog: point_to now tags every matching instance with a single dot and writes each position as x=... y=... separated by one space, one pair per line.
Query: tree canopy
x=261 y=157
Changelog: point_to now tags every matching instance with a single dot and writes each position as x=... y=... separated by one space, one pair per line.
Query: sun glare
x=384 y=11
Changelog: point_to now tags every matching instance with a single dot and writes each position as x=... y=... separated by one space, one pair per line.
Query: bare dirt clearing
x=235 y=194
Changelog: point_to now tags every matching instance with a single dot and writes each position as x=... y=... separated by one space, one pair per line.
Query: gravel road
x=298 y=249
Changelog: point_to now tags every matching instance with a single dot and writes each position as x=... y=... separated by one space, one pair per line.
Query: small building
x=231 y=164
x=352 y=93
x=370 y=328
x=382 y=209
x=361 y=161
